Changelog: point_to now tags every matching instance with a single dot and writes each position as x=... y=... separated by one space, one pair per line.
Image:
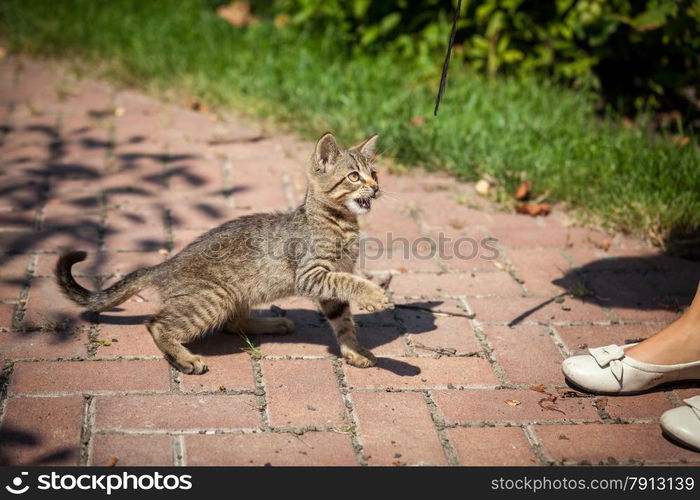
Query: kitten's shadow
x=374 y=330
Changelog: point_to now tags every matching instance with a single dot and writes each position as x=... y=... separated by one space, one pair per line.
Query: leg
x=679 y=342
x=169 y=330
x=259 y=326
x=338 y=314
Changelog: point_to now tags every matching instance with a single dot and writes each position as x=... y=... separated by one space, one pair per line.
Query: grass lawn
x=612 y=175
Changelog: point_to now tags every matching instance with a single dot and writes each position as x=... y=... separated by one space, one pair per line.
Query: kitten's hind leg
x=338 y=314
x=169 y=330
x=259 y=326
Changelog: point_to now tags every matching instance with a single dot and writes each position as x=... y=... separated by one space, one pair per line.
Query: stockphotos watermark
x=103 y=483
x=219 y=246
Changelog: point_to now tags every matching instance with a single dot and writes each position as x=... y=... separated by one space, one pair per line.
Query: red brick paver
x=479 y=332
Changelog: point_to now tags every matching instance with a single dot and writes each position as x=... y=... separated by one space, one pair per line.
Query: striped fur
x=215 y=281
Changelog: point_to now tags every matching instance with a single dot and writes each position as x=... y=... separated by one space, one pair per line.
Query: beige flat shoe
x=683 y=423
x=608 y=370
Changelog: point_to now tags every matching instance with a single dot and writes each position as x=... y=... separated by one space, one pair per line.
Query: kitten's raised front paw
x=375 y=299
x=192 y=365
x=361 y=358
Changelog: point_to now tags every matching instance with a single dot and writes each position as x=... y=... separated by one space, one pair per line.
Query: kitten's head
x=345 y=178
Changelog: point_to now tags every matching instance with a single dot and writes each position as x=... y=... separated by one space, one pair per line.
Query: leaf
x=534 y=209
x=603 y=245
x=281 y=20
x=523 y=190
x=512 y=402
x=681 y=140
x=237 y=13
x=112 y=462
x=652 y=19
x=538 y=388
x=483 y=187
x=418 y=120
x=568 y=393
x=543 y=404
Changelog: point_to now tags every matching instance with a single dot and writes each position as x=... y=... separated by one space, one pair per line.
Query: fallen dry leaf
x=112 y=462
x=281 y=20
x=3 y=52
x=195 y=104
x=523 y=190
x=483 y=187
x=681 y=140
x=548 y=404
x=603 y=245
x=417 y=120
x=568 y=393
x=237 y=13
x=512 y=402
x=534 y=209
x=402 y=270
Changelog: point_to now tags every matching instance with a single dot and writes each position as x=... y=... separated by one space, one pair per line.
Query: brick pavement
x=131 y=180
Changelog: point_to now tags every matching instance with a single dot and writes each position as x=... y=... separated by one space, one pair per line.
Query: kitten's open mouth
x=364 y=203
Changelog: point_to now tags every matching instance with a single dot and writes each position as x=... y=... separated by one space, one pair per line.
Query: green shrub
x=639 y=54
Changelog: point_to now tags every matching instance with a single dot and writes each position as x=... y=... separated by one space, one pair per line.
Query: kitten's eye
x=354 y=176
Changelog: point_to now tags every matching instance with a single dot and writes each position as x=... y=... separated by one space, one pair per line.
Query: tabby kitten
x=217 y=279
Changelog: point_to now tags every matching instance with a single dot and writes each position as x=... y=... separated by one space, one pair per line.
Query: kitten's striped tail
x=98 y=301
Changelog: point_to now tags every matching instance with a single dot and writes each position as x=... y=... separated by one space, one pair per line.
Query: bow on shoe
x=694 y=404
x=609 y=355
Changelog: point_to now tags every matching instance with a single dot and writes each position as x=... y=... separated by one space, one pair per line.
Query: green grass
x=618 y=177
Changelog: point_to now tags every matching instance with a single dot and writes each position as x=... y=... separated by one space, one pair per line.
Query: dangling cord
x=445 y=65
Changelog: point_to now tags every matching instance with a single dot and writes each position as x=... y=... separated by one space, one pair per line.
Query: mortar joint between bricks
x=558 y=341
x=227 y=173
x=519 y=423
x=175 y=381
x=167 y=159
x=177 y=444
x=536 y=446
x=403 y=329
x=439 y=423
x=483 y=341
x=512 y=272
x=288 y=191
x=86 y=429
x=21 y=303
x=5 y=375
x=168 y=224
x=672 y=396
x=350 y=415
x=260 y=393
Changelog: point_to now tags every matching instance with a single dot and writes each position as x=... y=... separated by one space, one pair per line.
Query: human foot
x=609 y=370
x=678 y=343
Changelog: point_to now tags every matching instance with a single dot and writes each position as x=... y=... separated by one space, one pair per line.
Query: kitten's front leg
x=317 y=282
x=338 y=315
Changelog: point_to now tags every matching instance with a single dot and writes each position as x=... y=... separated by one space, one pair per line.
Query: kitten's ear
x=326 y=152
x=368 y=147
